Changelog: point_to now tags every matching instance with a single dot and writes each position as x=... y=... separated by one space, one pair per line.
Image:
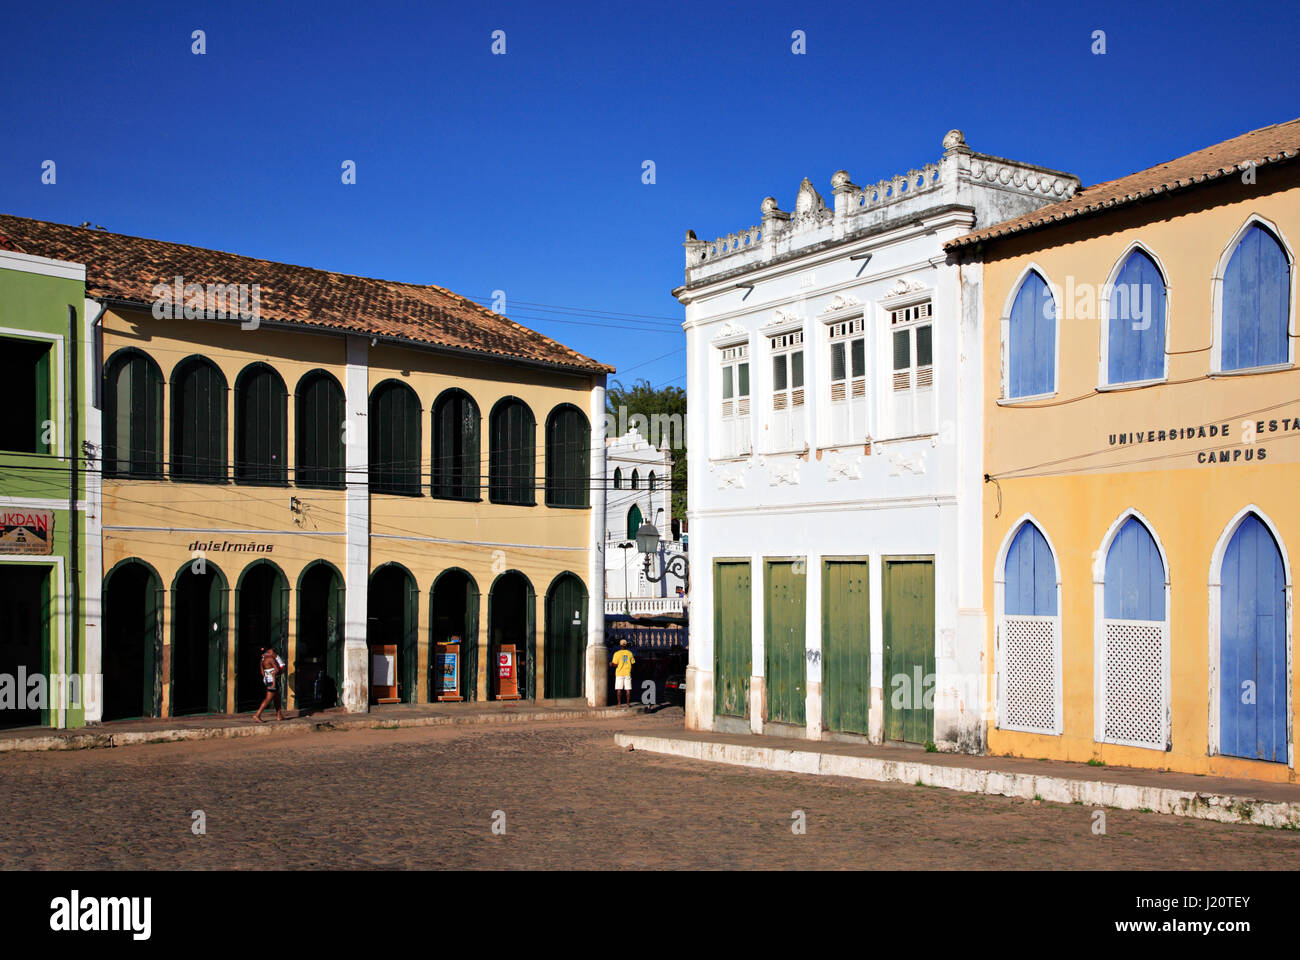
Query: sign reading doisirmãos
x=26 y=531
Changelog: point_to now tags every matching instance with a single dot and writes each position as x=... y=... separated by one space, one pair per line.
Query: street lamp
x=647 y=541
x=627 y=603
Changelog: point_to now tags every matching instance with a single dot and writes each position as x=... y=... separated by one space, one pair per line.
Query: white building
x=835 y=457
x=639 y=488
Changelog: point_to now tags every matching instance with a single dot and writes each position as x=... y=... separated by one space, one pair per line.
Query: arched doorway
x=394 y=619
x=634 y=522
x=198 y=650
x=1253 y=669
x=566 y=638
x=261 y=620
x=318 y=664
x=512 y=618
x=132 y=645
x=453 y=618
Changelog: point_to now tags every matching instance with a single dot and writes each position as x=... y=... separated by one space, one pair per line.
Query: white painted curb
x=1093 y=793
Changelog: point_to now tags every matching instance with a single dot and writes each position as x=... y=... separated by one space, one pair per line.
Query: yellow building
x=1142 y=466
x=351 y=471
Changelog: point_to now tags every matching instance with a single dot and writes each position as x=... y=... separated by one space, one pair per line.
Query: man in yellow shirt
x=622 y=664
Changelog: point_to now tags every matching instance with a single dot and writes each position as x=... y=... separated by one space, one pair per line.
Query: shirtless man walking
x=272 y=666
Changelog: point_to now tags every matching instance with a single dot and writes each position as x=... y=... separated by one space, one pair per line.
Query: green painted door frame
x=908 y=682
x=784 y=619
x=732 y=639
x=846 y=644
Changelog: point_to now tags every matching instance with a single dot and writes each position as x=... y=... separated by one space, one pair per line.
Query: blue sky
x=523 y=172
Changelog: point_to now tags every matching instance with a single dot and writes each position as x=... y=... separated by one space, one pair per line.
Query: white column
x=758 y=663
x=597 y=659
x=699 y=668
x=356 y=441
x=813 y=646
x=92 y=555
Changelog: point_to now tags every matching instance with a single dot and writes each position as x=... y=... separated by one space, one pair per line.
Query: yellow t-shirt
x=622 y=662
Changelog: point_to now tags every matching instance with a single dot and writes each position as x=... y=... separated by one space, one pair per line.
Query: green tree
x=659 y=415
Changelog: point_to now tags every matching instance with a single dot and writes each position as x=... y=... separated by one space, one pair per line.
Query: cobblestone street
x=425 y=798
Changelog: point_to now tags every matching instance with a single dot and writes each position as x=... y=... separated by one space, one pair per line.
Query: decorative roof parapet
x=855 y=207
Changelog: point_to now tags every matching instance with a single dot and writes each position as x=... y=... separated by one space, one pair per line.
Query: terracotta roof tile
x=1275 y=144
x=127 y=268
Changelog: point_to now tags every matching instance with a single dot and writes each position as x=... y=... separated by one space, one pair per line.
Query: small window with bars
x=787 y=370
x=848 y=360
x=912 y=334
x=735 y=381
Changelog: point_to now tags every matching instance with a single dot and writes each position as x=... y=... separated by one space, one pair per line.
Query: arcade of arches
x=191 y=645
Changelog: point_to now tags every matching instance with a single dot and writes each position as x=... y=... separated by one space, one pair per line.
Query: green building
x=49 y=536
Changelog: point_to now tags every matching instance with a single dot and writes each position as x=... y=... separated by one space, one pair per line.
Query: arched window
x=455 y=446
x=133 y=416
x=568 y=457
x=1135 y=333
x=633 y=522
x=1256 y=302
x=198 y=422
x=618 y=478
x=1031 y=340
x=511 y=453
x=652 y=482
x=1133 y=647
x=395 y=439
x=1029 y=636
x=636 y=480
x=261 y=426
x=318 y=426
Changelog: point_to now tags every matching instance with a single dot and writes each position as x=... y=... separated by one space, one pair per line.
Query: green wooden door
x=527 y=658
x=218 y=603
x=469 y=644
x=846 y=646
x=332 y=693
x=783 y=647
x=566 y=617
x=154 y=600
x=408 y=655
x=909 y=649
x=732 y=641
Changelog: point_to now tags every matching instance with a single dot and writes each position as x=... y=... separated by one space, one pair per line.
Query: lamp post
x=647 y=541
x=627 y=604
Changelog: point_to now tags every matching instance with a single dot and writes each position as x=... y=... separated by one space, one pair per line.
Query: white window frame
x=1216 y=298
x=845 y=330
x=910 y=319
x=1099 y=636
x=733 y=414
x=1108 y=291
x=1000 y=620
x=1004 y=339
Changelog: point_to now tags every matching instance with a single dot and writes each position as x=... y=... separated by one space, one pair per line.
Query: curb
x=1223 y=808
x=93 y=741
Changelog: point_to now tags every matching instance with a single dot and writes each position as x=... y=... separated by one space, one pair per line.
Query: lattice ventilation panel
x=1134 y=683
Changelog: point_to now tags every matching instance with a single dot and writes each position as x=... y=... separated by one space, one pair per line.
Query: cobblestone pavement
x=425 y=798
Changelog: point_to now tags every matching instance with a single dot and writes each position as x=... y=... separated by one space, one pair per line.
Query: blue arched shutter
x=1256 y=303
x=1136 y=341
x=1031 y=347
x=1030 y=575
x=1252 y=646
x=1135 y=575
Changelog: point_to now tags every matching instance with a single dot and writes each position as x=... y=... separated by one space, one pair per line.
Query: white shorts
x=623 y=683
